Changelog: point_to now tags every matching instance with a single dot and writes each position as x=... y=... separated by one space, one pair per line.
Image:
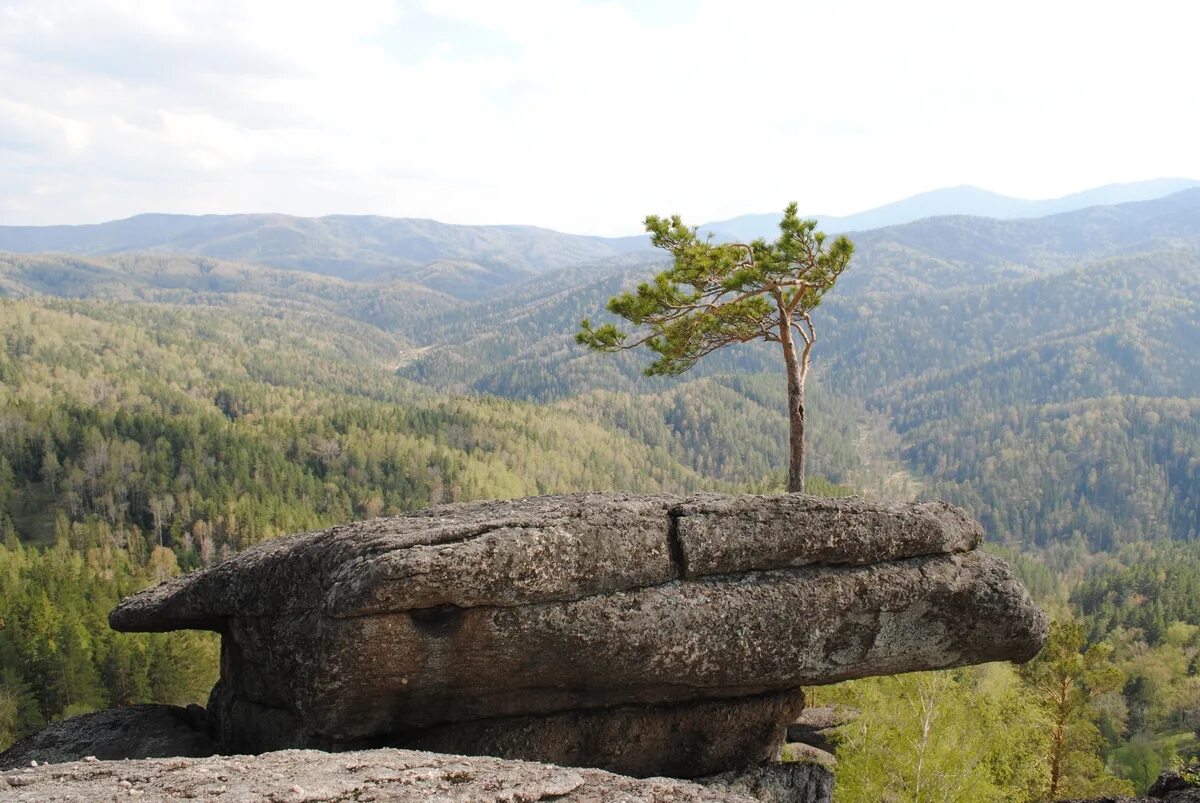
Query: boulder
x=550 y=628
x=386 y=776
x=139 y=731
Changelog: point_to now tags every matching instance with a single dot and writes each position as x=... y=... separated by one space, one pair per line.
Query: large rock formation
x=385 y=776
x=640 y=634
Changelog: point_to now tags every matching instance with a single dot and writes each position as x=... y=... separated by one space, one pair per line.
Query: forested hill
x=966 y=356
x=460 y=260
x=1003 y=354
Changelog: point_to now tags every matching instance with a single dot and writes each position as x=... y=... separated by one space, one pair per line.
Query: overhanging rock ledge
x=646 y=635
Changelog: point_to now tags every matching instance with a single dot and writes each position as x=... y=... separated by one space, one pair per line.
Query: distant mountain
x=963 y=251
x=470 y=262
x=964 y=200
x=464 y=261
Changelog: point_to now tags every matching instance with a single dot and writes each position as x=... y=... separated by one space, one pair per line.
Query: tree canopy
x=720 y=294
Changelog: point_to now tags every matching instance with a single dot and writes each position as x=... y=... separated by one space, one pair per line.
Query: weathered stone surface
x=139 y=731
x=385 y=776
x=502 y=623
x=502 y=553
x=718 y=535
x=817 y=726
x=349 y=678
x=542 y=549
x=674 y=739
x=779 y=782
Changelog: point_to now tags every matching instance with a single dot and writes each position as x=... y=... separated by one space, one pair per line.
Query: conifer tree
x=719 y=294
x=1066 y=677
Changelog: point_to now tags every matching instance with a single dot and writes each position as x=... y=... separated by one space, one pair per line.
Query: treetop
x=716 y=294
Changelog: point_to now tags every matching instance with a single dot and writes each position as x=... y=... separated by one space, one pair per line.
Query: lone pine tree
x=718 y=294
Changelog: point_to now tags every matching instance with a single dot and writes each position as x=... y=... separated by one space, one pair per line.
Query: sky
x=581 y=115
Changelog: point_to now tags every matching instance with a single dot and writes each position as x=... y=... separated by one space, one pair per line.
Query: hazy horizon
x=633 y=232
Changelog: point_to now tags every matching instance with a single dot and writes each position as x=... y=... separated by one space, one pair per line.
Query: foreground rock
x=380 y=775
x=640 y=634
x=779 y=782
x=139 y=731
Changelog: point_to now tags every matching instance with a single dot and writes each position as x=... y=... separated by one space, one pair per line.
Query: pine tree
x=1065 y=678
x=716 y=295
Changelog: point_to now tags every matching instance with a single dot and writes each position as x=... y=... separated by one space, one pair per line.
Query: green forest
x=160 y=412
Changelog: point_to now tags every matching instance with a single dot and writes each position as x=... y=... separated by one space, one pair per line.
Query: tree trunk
x=1058 y=740
x=795 y=385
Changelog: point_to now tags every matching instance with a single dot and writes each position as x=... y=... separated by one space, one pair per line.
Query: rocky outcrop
x=139 y=731
x=385 y=776
x=640 y=634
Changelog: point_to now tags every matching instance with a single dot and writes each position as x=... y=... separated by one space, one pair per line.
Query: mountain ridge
x=963 y=199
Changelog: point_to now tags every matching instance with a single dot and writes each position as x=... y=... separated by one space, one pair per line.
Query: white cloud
x=579 y=114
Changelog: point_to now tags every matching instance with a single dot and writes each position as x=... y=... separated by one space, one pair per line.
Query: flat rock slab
x=139 y=731
x=385 y=776
x=542 y=549
x=500 y=623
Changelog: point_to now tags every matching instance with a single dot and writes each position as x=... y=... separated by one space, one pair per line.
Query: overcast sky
x=581 y=115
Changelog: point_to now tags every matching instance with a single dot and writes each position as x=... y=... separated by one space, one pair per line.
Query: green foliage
x=205 y=405
x=1110 y=471
x=1052 y=397
x=1189 y=772
x=971 y=734
x=59 y=658
x=1142 y=587
x=718 y=294
x=1065 y=679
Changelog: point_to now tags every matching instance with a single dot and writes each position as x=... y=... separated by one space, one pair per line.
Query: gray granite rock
x=139 y=731
x=672 y=739
x=779 y=782
x=384 y=776
x=532 y=626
